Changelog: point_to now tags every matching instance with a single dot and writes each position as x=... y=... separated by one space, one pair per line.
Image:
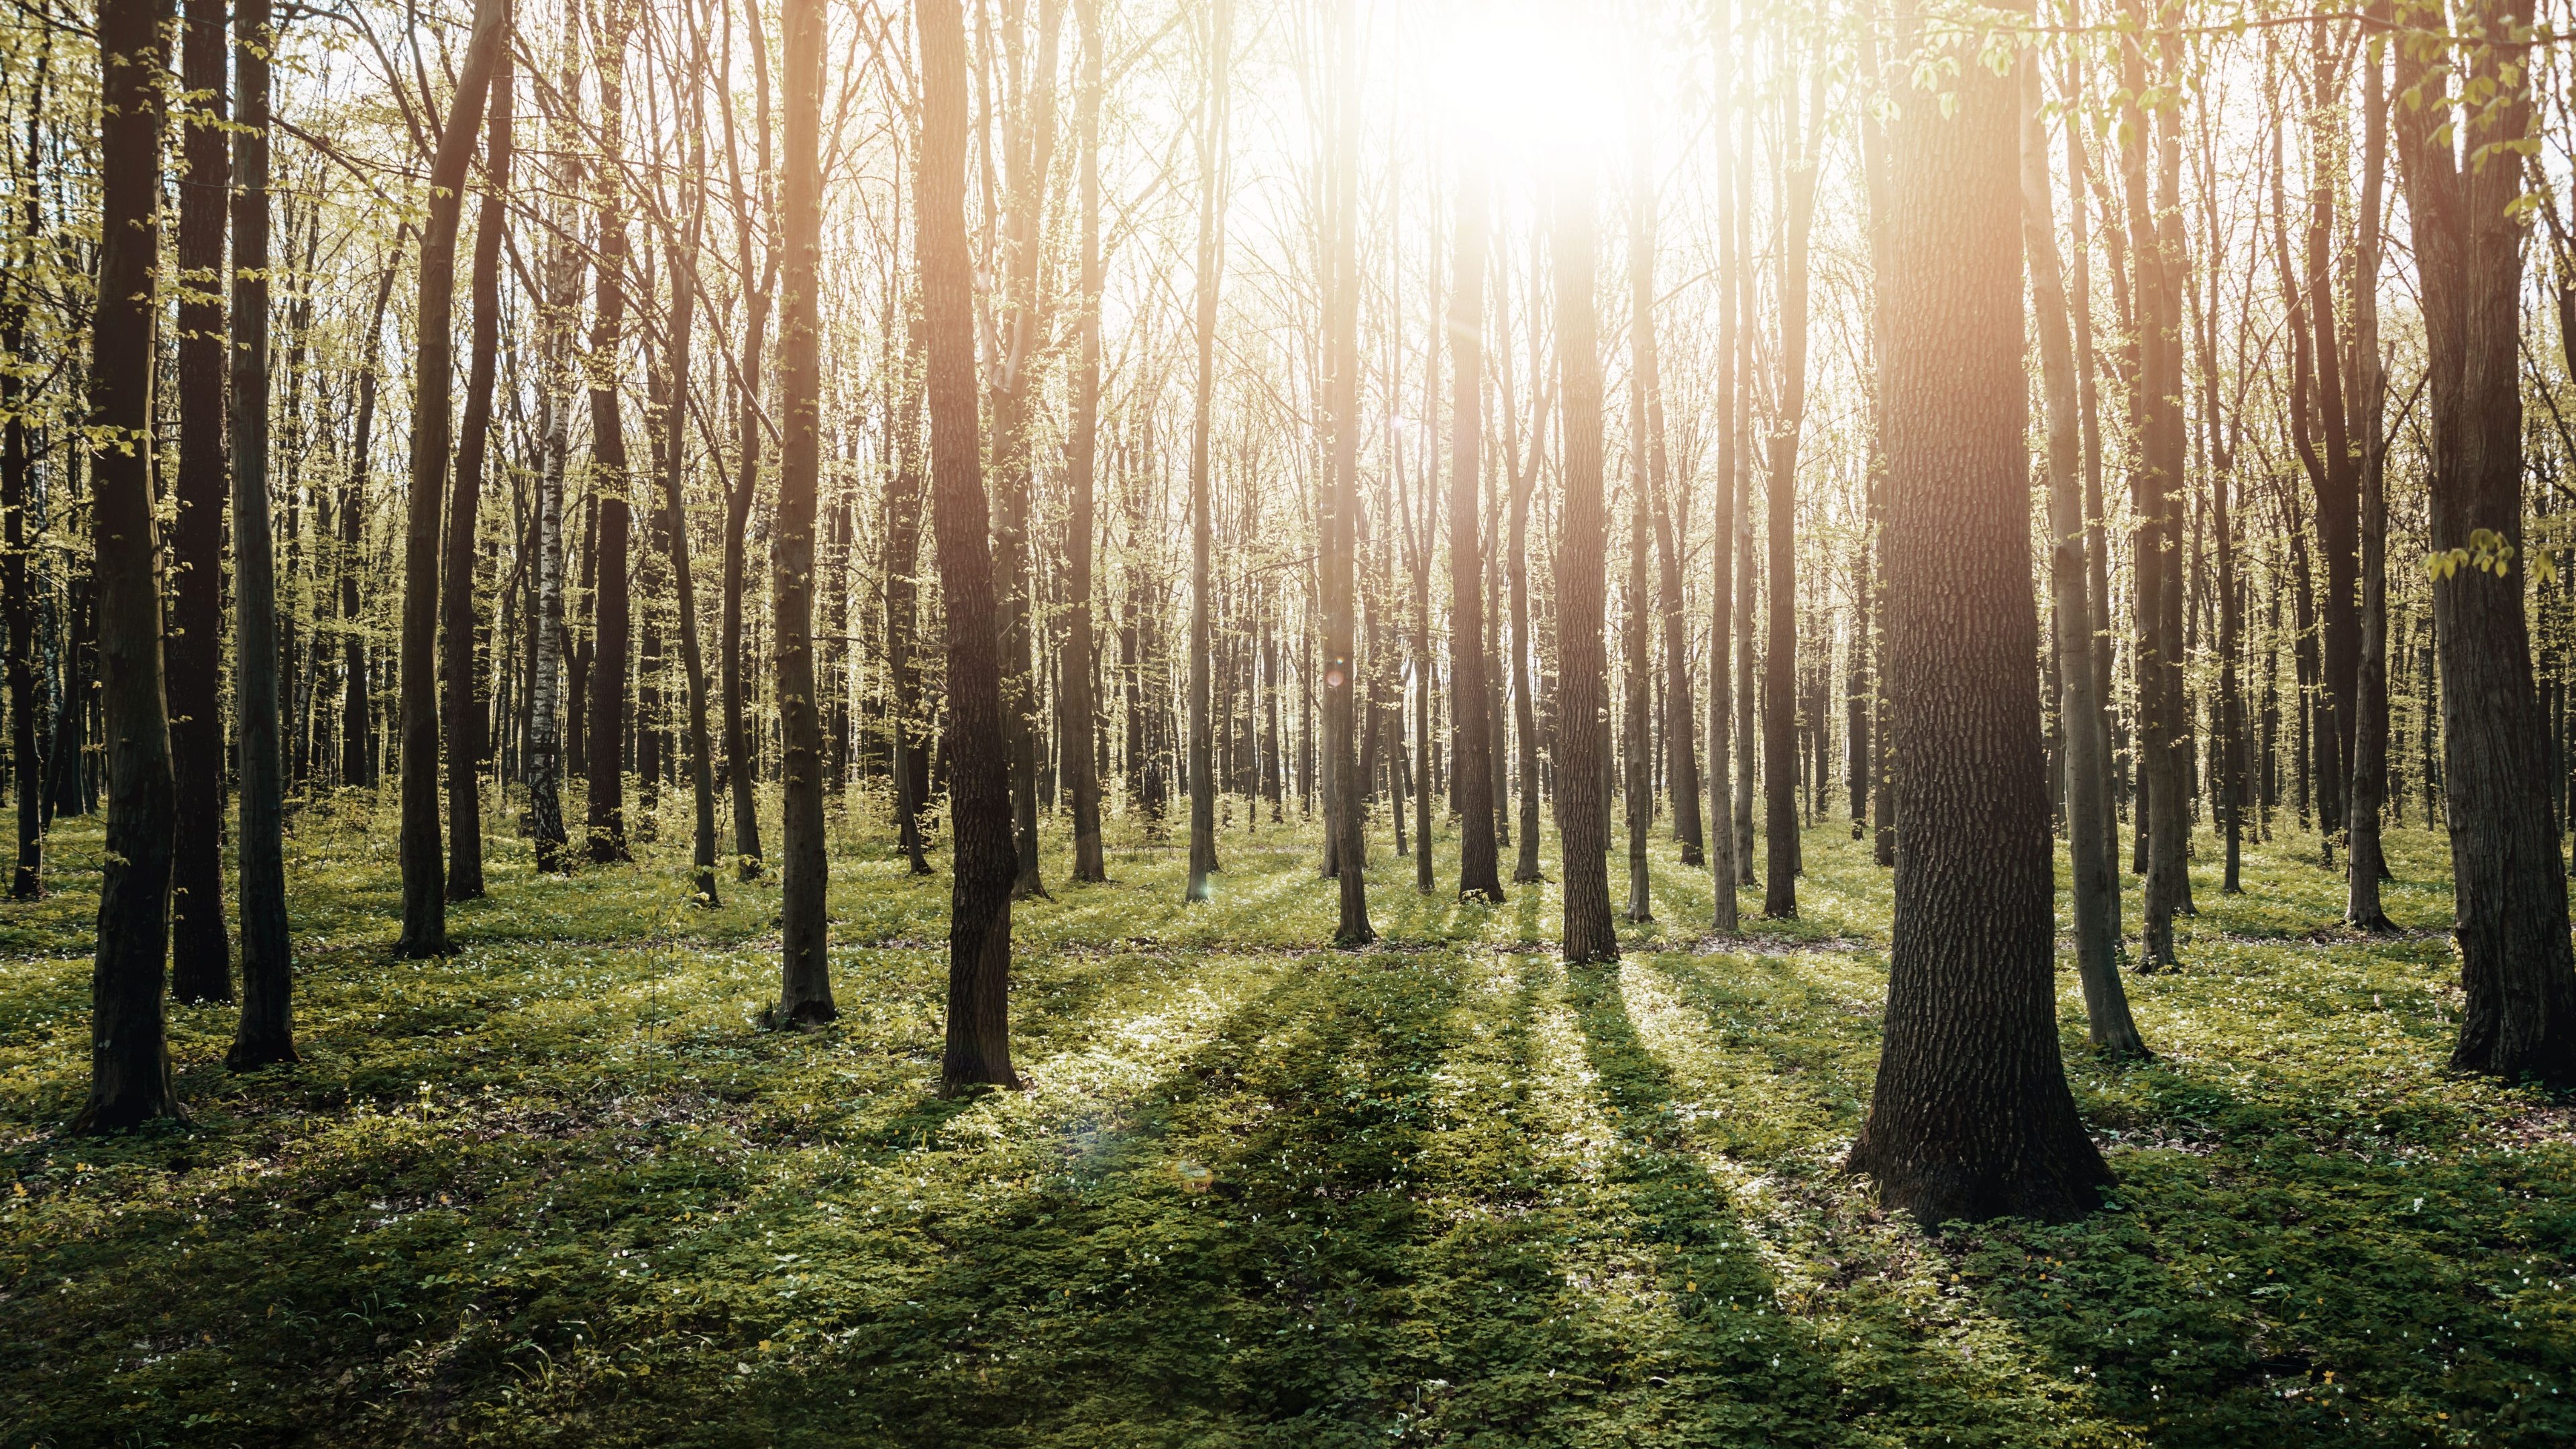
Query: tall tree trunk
x=1080 y=711
x=1479 y=868
x=1638 y=641
x=2506 y=875
x=266 y=1033
x=2089 y=847
x=2363 y=860
x=1345 y=785
x=200 y=948
x=17 y=474
x=611 y=603
x=1525 y=867
x=1723 y=867
x=129 y=1058
x=675 y=529
x=741 y=773
x=979 y=918
x=1583 y=724
x=1212 y=160
x=464 y=507
x=903 y=602
x=1970 y=1117
x=805 y=979
x=1780 y=664
x=424 y=931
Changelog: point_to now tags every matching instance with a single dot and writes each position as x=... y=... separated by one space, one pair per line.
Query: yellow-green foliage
x=558 y=1189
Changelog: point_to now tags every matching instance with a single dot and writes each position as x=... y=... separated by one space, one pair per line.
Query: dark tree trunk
x=1971 y=1117
x=200 y=948
x=424 y=931
x=129 y=1048
x=903 y=602
x=465 y=746
x=611 y=604
x=2364 y=864
x=1582 y=732
x=2505 y=866
x=1479 y=869
x=17 y=474
x=266 y=1033
x=979 y=921
x=1638 y=644
x=1077 y=707
x=1725 y=912
x=675 y=529
x=805 y=979
x=741 y=773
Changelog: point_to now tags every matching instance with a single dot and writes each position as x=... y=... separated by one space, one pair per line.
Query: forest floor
x=559 y=1189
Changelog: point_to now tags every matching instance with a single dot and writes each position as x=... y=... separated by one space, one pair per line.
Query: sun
x=1536 y=82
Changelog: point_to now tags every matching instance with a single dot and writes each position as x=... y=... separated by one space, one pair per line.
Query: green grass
x=559 y=1189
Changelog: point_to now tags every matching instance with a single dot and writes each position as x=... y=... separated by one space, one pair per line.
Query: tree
x=2089 y=846
x=266 y=1034
x=1971 y=1117
x=805 y=975
x=2515 y=962
x=1478 y=866
x=1780 y=661
x=1639 y=787
x=129 y=1058
x=1582 y=721
x=675 y=517
x=2363 y=865
x=424 y=931
x=1082 y=778
x=611 y=602
x=1724 y=916
x=200 y=948
x=1345 y=788
x=18 y=293
x=464 y=717
x=1212 y=158
x=986 y=861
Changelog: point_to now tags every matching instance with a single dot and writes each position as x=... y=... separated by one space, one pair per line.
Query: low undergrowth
x=558 y=1188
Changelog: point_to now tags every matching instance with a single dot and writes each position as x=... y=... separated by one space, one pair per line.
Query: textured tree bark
x=2097 y=920
x=1479 y=866
x=1082 y=775
x=266 y=1032
x=17 y=473
x=1971 y=1117
x=1211 y=262
x=979 y=921
x=1583 y=721
x=611 y=603
x=805 y=977
x=1345 y=785
x=129 y=1056
x=1780 y=661
x=2506 y=873
x=464 y=507
x=266 y=1027
x=424 y=930
x=200 y=948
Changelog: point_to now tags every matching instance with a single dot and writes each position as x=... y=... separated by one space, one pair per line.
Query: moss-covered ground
x=560 y=1189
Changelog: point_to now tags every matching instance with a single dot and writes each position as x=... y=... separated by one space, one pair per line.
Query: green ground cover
x=559 y=1188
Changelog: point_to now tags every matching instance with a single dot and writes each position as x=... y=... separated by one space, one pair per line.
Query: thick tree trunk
x=1970 y=1117
x=129 y=1049
x=2097 y=921
x=2506 y=870
x=424 y=931
x=200 y=947
x=1479 y=867
x=979 y=919
x=266 y=1033
x=611 y=604
x=465 y=745
x=1583 y=723
x=805 y=980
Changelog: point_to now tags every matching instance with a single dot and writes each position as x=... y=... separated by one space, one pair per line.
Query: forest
x=1288 y=722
